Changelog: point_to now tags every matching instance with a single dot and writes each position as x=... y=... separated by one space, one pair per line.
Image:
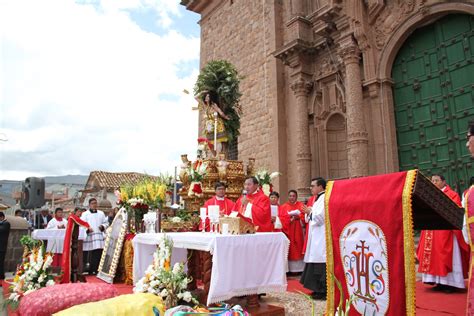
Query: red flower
x=197 y=188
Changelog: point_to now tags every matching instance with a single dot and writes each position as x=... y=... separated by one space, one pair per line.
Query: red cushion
x=52 y=299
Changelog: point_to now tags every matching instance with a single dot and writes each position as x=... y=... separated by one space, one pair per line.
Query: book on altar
x=274 y=209
x=294 y=213
x=238 y=224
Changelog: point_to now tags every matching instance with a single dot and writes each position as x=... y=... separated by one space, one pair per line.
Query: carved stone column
x=301 y=89
x=357 y=137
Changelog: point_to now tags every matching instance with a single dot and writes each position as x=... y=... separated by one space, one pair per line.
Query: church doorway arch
x=433 y=97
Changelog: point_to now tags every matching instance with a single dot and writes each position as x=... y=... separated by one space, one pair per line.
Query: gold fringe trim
x=329 y=252
x=409 y=243
x=469 y=220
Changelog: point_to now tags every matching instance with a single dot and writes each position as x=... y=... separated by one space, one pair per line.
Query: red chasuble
x=261 y=213
x=292 y=229
x=225 y=206
x=310 y=203
x=435 y=249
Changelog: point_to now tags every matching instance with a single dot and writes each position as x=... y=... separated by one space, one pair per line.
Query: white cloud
x=81 y=85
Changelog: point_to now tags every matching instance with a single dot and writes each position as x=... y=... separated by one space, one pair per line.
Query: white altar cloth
x=55 y=238
x=241 y=264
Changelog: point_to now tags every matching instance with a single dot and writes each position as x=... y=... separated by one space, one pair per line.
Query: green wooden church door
x=433 y=77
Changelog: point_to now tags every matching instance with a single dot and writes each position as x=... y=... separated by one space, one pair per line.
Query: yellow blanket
x=123 y=305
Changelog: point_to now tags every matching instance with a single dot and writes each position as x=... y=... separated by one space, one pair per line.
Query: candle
x=214 y=211
x=202 y=212
x=225 y=229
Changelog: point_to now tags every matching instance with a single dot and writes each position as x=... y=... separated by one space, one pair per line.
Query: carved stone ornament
x=391 y=16
x=301 y=86
x=350 y=54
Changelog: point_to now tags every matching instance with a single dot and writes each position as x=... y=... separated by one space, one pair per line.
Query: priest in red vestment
x=225 y=205
x=443 y=254
x=255 y=205
x=290 y=217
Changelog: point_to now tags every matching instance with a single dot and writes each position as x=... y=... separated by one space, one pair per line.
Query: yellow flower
x=124 y=195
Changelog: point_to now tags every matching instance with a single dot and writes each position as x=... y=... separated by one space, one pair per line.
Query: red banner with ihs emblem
x=370 y=247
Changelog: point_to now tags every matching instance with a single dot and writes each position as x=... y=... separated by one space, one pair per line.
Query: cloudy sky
x=96 y=85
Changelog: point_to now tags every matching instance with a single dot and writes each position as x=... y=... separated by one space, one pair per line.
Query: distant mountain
x=69 y=179
x=8 y=186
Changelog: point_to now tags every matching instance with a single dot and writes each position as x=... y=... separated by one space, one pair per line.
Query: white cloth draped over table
x=241 y=264
x=56 y=246
x=55 y=238
x=94 y=240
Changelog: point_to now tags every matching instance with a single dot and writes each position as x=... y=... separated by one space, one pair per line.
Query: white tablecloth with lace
x=55 y=238
x=241 y=264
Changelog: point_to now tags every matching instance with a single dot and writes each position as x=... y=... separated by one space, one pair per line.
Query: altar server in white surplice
x=94 y=243
x=314 y=274
x=55 y=245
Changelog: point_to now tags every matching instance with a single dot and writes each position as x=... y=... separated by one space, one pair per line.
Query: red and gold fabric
x=369 y=238
x=470 y=233
x=435 y=249
x=73 y=221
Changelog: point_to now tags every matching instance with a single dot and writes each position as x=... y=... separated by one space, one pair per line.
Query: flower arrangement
x=150 y=193
x=32 y=274
x=265 y=179
x=196 y=173
x=160 y=279
x=146 y=193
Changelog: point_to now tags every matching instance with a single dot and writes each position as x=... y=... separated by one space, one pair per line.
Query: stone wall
x=333 y=57
x=235 y=31
x=18 y=228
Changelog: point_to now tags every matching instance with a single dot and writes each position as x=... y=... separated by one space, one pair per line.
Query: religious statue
x=214 y=127
x=218 y=95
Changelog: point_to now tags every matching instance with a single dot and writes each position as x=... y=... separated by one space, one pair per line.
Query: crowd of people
x=443 y=255
x=302 y=223
x=95 y=236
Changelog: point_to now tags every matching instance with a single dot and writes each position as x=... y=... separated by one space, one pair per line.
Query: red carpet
x=428 y=302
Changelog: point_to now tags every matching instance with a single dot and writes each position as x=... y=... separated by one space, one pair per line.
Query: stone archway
x=336 y=140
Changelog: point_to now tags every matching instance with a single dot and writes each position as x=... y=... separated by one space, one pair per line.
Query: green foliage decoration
x=222 y=78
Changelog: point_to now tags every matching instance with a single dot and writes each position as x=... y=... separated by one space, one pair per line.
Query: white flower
x=50 y=283
x=184 y=283
x=275 y=174
x=41 y=278
x=176 y=268
x=47 y=263
x=176 y=219
x=187 y=296
x=164 y=293
x=28 y=292
x=14 y=297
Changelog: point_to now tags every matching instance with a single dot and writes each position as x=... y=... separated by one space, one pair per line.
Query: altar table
x=241 y=264
x=55 y=238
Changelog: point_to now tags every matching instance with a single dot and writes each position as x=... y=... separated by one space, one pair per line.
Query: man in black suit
x=42 y=219
x=4 y=232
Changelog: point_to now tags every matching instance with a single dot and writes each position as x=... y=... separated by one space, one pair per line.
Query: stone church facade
x=344 y=89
